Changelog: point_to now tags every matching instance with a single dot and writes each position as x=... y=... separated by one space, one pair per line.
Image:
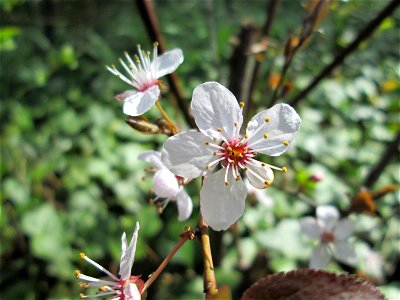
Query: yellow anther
x=82 y=255
x=245 y=169
x=229 y=149
x=155 y=44
x=254 y=153
x=237 y=178
x=240 y=155
x=113 y=66
x=267 y=183
x=226 y=183
x=215 y=153
x=208 y=167
x=263 y=164
x=84 y=285
x=236 y=124
x=267 y=119
x=207 y=143
x=265 y=136
x=219 y=129
x=77 y=273
x=284 y=169
x=246 y=136
x=286 y=143
x=241 y=104
x=81 y=295
x=102 y=289
x=148 y=53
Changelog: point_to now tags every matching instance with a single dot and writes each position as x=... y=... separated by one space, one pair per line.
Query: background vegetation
x=71 y=179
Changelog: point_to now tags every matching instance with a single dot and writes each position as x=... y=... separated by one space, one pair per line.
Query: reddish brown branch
x=365 y=33
x=149 y=17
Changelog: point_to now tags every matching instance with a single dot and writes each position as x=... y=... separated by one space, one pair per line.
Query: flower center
x=327 y=237
x=235 y=152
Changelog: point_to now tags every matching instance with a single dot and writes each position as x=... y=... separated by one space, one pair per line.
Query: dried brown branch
x=149 y=17
x=290 y=50
x=364 y=34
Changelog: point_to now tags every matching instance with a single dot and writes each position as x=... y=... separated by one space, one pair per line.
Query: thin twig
x=391 y=151
x=271 y=11
x=187 y=235
x=149 y=17
x=210 y=282
x=365 y=33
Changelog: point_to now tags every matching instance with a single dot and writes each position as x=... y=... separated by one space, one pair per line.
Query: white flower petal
x=186 y=155
x=343 y=229
x=138 y=103
x=185 y=205
x=153 y=157
x=165 y=184
x=344 y=253
x=260 y=177
x=282 y=126
x=222 y=205
x=214 y=107
x=310 y=227
x=320 y=257
x=169 y=62
x=327 y=216
x=128 y=256
x=131 y=292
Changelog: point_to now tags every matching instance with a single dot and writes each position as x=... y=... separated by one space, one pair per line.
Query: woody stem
x=167 y=118
x=210 y=282
x=161 y=267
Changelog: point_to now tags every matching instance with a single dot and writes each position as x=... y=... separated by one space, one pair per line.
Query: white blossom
x=218 y=115
x=167 y=186
x=144 y=78
x=124 y=287
x=332 y=236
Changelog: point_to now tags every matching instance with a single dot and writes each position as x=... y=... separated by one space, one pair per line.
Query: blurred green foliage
x=71 y=179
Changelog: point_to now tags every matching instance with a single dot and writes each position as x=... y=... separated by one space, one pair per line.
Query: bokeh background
x=71 y=180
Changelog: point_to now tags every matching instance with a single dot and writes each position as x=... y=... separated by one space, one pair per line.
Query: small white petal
x=140 y=102
x=310 y=227
x=185 y=205
x=128 y=257
x=169 y=62
x=153 y=157
x=320 y=257
x=344 y=253
x=131 y=292
x=282 y=126
x=214 y=107
x=260 y=177
x=186 y=155
x=327 y=216
x=222 y=205
x=343 y=229
x=165 y=184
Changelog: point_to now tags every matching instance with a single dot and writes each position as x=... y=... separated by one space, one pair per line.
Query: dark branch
x=271 y=11
x=149 y=17
x=391 y=151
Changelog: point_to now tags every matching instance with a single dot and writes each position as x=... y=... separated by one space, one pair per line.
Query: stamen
x=265 y=136
x=267 y=119
x=286 y=143
x=241 y=104
x=219 y=129
x=214 y=162
x=101 y=268
x=284 y=169
x=226 y=174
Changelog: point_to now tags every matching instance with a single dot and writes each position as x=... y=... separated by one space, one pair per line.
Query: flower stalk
x=210 y=282
x=174 y=129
